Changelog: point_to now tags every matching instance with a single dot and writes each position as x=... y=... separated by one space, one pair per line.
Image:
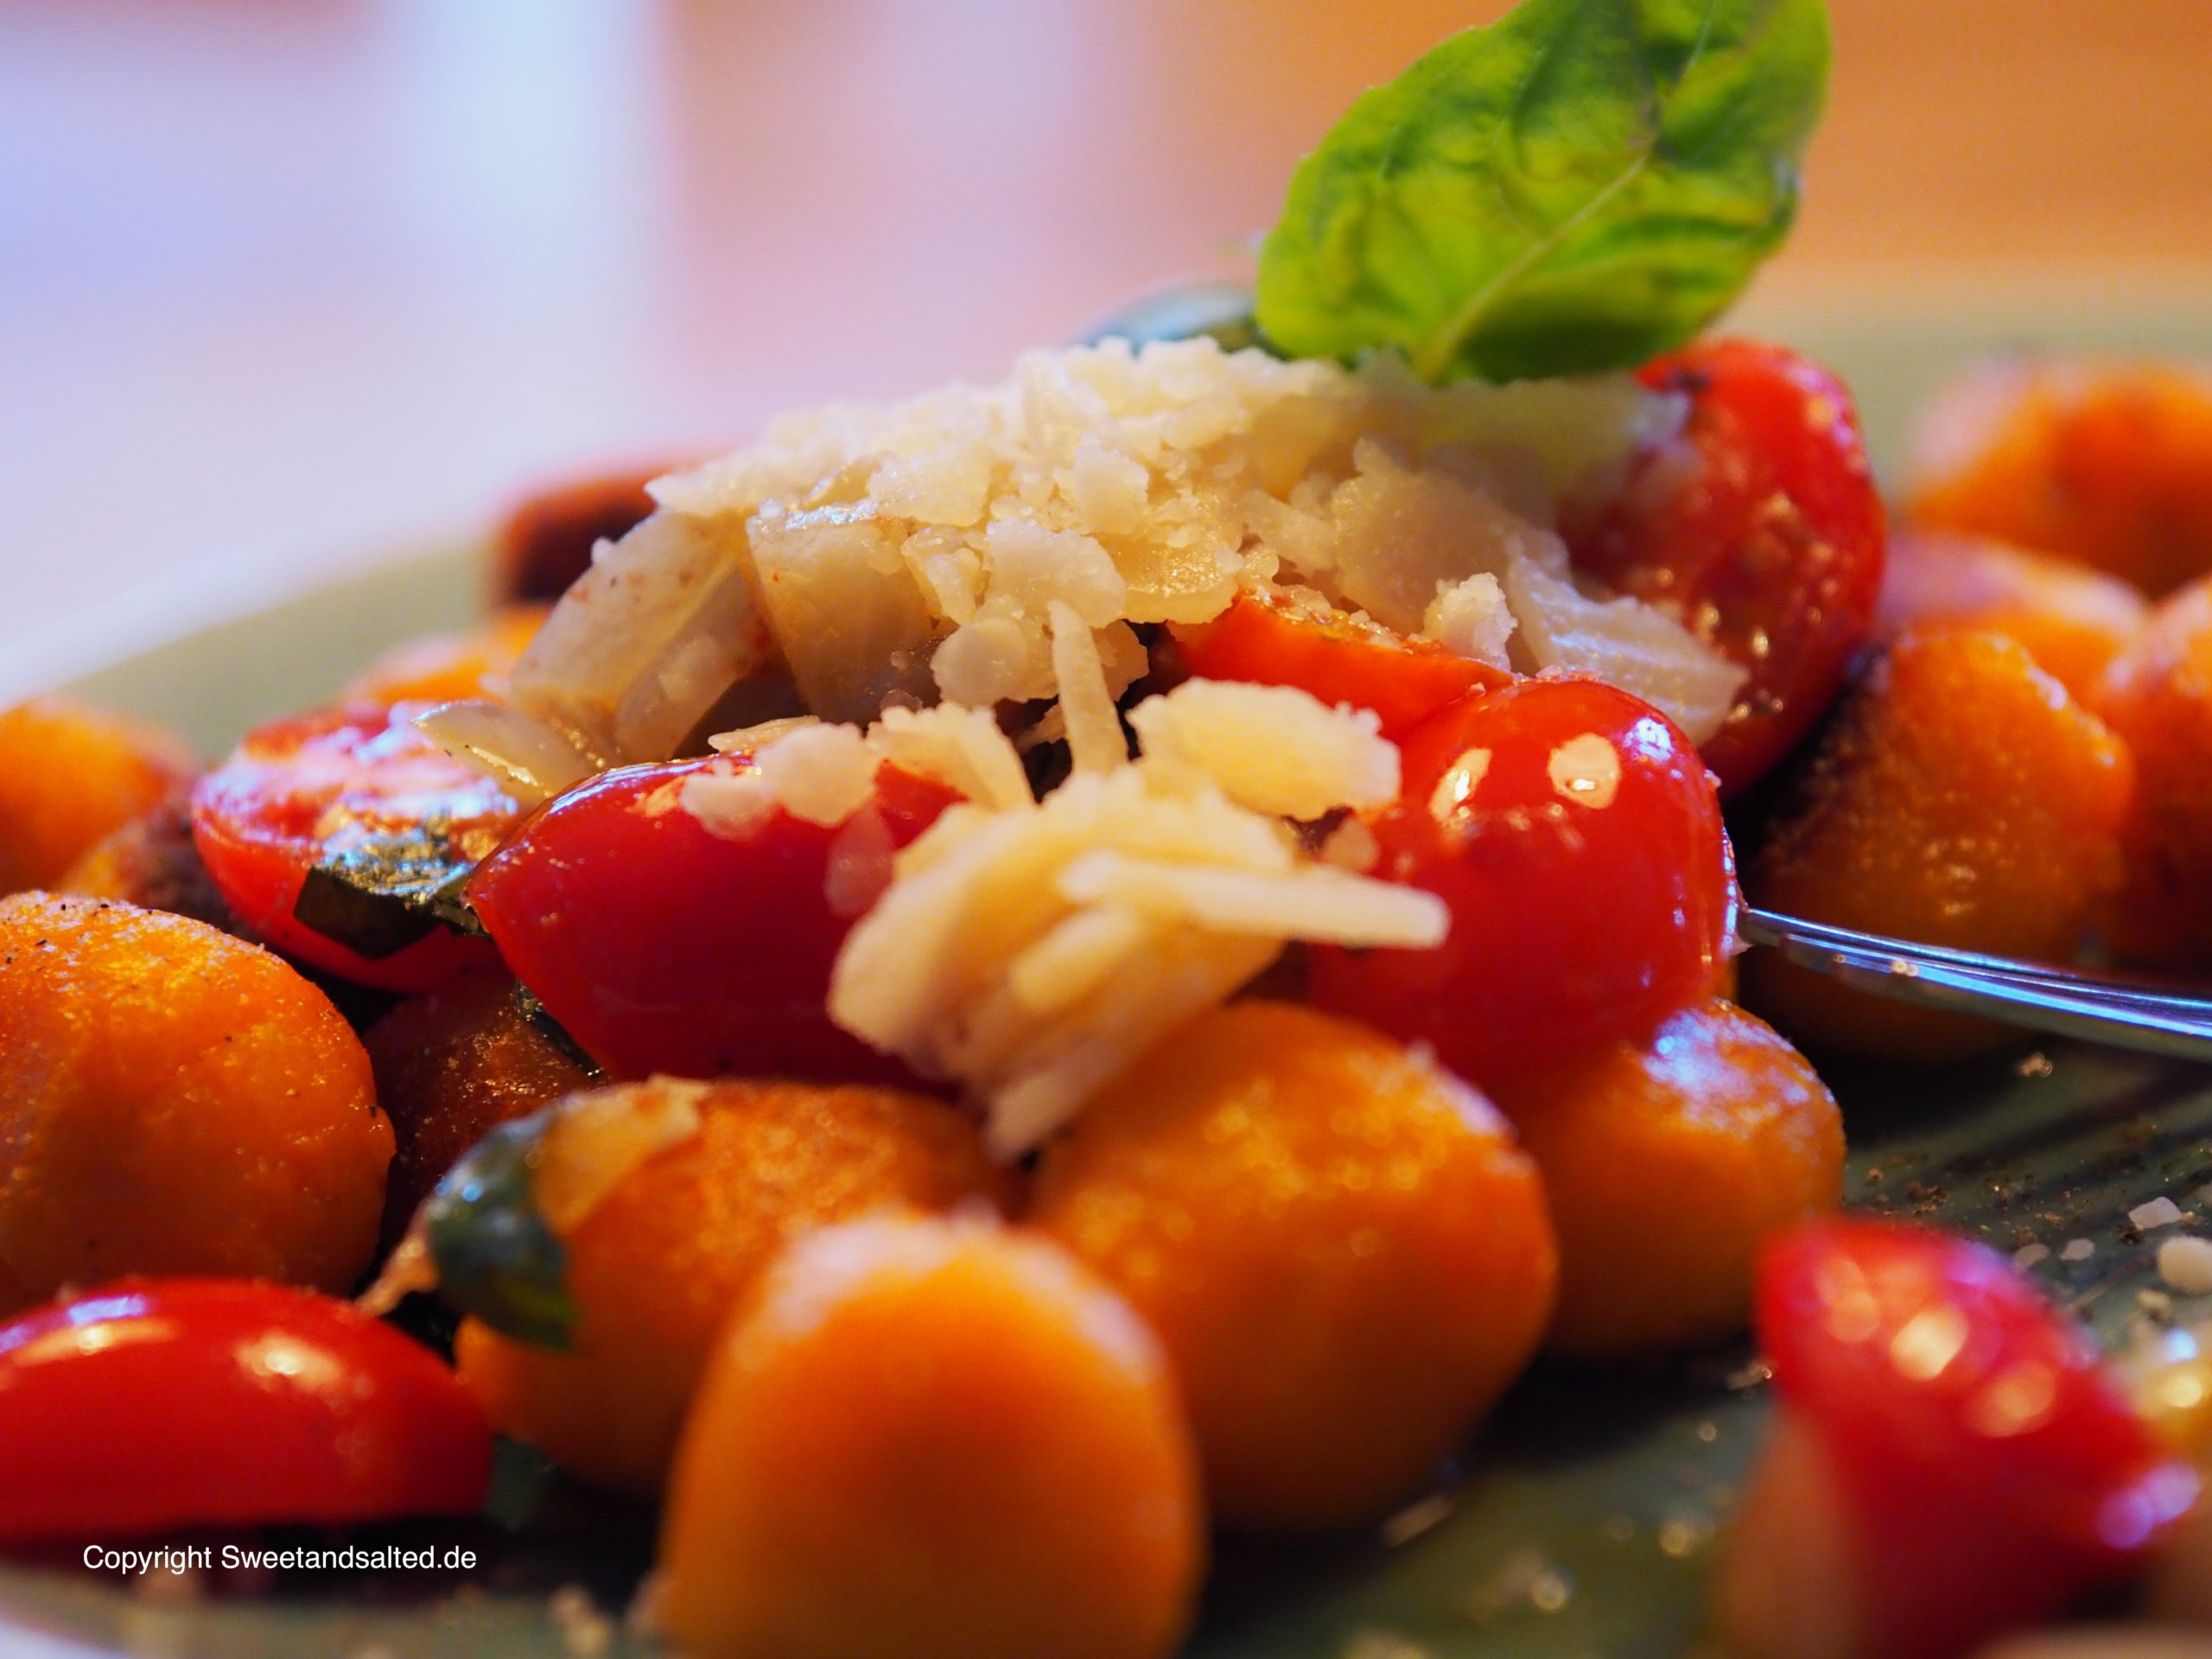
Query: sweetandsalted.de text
x=232 y=1558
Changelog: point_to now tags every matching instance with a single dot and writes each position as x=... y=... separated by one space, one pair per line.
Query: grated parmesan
x=910 y=552
x=1635 y=647
x=1271 y=748
x=820 y=773
x=1472 y=618
x=961 y=748
x=1316 y=904
x=1352 y=845
x=731 y=802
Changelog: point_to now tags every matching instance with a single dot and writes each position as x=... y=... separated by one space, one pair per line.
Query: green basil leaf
x=529 y=1006
x=495 y=1256
x=375 y=892
x=1577 y=187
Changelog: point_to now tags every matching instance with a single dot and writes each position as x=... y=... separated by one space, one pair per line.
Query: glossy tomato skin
x=1575 y=835
x=662 y=945
x=1265 y=640
x=1765 y=536
x=1989 y=1467
x=300 y=789
x=153 y=1405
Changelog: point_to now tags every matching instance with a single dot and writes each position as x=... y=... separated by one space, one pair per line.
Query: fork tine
x=2105 y=1008
x=1769 y=928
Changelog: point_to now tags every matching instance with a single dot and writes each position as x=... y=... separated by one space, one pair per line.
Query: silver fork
x=2128 y=1010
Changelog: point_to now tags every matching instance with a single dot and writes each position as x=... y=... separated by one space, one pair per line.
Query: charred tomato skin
x=1575 y=835
x=1761 y=529
x=663 y=946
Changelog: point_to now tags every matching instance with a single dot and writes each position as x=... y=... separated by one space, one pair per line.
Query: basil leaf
x=377 y=891
x=496 y=1258
x=1577 y=187
x=532 y=1009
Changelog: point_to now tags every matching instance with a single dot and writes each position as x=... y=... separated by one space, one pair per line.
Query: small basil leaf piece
x=526 y=1485
x=375 y=893
x=367 y=922
x=528 y=1005
x=1578 y=187
x=496 y=1258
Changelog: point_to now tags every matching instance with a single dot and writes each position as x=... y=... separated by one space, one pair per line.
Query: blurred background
x=285 y=286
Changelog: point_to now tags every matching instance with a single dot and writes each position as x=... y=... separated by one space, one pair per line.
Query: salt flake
x=2154 y=1213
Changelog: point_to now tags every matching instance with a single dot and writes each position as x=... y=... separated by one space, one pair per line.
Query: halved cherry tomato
x=664 y=945
x=1575 y=835
x=1264 y=639
x=1989 y=1468
x=153 y=1405
x=1768 y=545
x=354 y=787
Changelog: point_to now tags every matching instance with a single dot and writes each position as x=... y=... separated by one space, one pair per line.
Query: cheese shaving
x=1314 y=903
x=1031 y=952
x=1271 y=748
x=961 y=748
x=820 y=773
x=731 y=802
x=1088 y=720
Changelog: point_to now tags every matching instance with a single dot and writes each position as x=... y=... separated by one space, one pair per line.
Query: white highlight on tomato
x=1458 y=784
x=1586 y=770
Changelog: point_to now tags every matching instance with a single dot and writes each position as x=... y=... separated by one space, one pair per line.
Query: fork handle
x=2101 y=1008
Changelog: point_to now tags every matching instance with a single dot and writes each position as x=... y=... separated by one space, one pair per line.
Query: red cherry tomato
x=185 y=1402
x=1266 y=640
x=1574 y=834
x=1989 y=1468
x=1768 y=543
x=662 y=945
x=357 y=783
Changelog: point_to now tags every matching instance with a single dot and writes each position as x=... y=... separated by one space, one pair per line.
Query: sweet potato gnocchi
x=174 y=1100
x=71 y=775
x=677 y=1228
x=1961 y=798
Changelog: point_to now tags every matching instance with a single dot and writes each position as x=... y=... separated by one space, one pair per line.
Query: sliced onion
x=1625 y=643
x=533 y=760
x=654 y=635
x=854 y=625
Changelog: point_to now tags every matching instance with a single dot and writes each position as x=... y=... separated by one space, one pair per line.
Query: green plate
x=1582 y=1522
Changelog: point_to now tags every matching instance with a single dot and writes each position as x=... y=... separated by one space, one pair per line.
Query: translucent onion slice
x=642 y=649
x=533 y=760
x=1635 y=647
